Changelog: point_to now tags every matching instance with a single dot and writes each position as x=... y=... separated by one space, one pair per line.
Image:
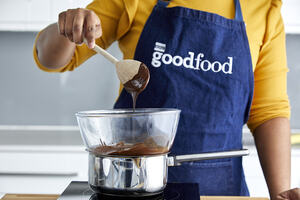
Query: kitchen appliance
x=140 y=142
x=174 y=191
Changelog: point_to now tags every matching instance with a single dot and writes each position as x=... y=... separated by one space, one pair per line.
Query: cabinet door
x=291 y=16
x=33 y=15
x=14 y=11
x=45 y=171
x=254 y=175
x=57 y=6
x=295 y=167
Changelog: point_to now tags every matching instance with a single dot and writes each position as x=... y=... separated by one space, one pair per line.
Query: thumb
x=90 y=44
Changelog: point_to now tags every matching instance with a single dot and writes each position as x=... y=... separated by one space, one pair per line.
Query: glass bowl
x=124 y=132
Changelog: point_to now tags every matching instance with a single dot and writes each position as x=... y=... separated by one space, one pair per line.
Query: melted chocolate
x=134 y=86
x=138 y=83
x=149 y=147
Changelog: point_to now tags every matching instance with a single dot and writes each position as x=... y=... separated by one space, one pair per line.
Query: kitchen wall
x=29 y=96
x=293 y=50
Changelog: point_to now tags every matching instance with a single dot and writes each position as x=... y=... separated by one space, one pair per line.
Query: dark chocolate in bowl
x=148 y=147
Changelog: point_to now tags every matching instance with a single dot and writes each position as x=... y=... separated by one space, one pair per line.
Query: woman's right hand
x=80 y=23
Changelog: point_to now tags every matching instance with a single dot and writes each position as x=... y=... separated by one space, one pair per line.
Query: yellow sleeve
x=116 y=17
x=270 y=76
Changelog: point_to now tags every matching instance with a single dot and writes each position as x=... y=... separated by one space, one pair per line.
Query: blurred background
x=40 y=144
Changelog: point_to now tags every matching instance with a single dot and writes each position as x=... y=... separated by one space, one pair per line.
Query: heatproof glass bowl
x=124 y=132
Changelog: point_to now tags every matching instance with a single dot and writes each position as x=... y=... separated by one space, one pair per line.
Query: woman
x=203 y=64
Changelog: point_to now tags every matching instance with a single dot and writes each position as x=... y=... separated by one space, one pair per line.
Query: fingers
x=69 y=25
x=77 y=24
x=91 y=23
x=293 y=194
x=78 y=27
x=61 y=23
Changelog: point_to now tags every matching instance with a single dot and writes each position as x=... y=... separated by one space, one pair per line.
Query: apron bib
x=199 y=62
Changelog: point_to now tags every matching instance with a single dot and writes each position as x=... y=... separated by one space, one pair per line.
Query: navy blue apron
x=200 y=63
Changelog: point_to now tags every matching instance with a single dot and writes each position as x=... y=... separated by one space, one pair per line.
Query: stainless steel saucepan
x=128 y=175
x=142 y=175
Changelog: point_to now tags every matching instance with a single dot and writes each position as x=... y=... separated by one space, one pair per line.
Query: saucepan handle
x=177 y=160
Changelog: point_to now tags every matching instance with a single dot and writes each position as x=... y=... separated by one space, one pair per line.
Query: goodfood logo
x=190 y=62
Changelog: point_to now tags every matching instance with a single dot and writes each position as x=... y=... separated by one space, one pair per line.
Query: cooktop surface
x=173 y=191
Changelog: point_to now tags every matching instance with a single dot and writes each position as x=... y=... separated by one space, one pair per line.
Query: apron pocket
x=213 y=178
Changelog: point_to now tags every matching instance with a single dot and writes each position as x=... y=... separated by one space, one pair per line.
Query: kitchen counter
x=54 y=197
x=29 y=197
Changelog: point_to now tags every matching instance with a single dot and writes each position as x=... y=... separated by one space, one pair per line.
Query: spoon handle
x=104 y=53
x=177 y=160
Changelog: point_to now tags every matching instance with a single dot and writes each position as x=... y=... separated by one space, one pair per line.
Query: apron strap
x=163 y=3
x=238 y=11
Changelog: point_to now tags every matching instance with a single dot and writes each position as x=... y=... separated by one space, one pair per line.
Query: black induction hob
x=174 y=191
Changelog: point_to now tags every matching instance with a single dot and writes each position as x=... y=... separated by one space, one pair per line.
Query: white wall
x=29 y=96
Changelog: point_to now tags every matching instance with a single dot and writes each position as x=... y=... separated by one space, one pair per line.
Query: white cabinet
x=295 y=168
x=255 y=178
x=58 y=6
x=41 y=169
x=291 y=16
x=254 y=175
x=13 y=12
x=33 y=15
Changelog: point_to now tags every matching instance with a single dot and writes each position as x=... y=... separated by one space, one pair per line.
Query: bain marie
x=148 y=147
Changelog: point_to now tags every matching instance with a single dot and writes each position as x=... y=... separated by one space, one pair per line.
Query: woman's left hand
x=293 y=194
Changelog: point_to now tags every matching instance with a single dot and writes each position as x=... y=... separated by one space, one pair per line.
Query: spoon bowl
x=132 y=73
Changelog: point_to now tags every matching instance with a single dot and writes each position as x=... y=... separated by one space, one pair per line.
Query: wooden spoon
x=133 y=74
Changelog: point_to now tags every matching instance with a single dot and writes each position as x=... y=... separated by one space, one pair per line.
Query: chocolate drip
x=138 y=83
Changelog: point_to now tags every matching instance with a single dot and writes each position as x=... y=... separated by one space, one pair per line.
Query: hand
x=76 y=24
x=293 y=194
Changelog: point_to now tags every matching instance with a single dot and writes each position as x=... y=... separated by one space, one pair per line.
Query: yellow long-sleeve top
x=123 y=21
